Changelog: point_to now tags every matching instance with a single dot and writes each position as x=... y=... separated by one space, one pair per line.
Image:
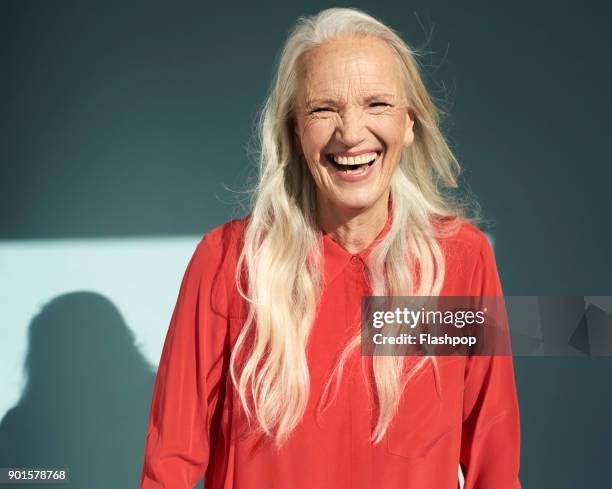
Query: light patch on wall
x=140 y=276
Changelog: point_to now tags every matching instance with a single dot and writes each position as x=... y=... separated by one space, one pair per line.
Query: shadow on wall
x=86 y=401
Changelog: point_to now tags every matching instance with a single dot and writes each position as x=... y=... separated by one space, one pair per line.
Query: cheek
x=389 y=125
x=390 y=129
x=315 y=135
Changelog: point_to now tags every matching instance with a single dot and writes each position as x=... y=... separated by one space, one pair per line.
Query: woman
x=260 y=383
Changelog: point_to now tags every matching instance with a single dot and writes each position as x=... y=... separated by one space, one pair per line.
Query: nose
x=351 y=128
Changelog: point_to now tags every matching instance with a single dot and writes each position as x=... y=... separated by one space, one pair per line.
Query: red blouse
x=194 y=414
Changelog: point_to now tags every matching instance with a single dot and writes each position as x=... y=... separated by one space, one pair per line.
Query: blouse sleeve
x=188 y=383
x=490 y=441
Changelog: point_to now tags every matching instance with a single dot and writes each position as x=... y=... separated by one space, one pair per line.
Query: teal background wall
x=130 y=121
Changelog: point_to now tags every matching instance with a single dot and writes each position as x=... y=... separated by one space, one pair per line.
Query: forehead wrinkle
x=340 y=86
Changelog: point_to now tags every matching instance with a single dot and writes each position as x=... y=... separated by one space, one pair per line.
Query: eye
x=379 y=104
x=321 y=109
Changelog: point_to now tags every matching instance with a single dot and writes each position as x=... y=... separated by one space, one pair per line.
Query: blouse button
x=356 y=261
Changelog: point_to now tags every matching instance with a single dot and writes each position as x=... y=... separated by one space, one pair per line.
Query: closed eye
x=321 y=109
x=379 y=104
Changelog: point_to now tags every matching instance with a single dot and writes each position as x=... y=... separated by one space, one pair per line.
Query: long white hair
x=281 y=260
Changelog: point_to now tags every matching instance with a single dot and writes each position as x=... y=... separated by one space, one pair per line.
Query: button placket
x=359 y=422
x=352 y=318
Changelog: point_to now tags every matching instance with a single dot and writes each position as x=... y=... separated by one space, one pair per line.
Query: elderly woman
x=261 y=383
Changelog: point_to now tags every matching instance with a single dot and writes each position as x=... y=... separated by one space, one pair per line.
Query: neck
x=353 y=229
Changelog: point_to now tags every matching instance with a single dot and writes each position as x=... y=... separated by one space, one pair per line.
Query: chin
x=356 y=202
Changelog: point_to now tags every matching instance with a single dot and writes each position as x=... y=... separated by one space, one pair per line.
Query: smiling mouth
x=348 y=167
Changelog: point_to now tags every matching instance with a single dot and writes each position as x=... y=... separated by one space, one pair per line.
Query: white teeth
x=355 y=160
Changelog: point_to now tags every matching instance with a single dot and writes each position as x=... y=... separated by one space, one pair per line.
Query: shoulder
x=468 y=254
x=222 y=241
x=225 y=233
x=217 y=251
x=466 y=241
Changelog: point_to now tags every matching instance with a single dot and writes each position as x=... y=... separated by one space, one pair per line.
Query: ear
x=409 y=133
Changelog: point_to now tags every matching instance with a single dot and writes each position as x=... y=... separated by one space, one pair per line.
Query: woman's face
x=351 y=120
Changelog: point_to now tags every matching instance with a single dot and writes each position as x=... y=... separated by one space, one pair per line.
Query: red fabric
x=195 y=416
